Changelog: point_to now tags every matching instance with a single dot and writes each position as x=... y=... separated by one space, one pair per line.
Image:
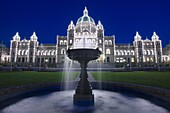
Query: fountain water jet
x=66 y=77
x=83 y=95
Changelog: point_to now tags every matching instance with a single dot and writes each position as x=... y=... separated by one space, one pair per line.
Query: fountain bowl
x=85 y=54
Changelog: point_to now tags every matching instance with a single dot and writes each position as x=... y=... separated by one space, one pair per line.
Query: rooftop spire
x=34 y=33
x=85 y=11
x=154 y=33
x=17 y=33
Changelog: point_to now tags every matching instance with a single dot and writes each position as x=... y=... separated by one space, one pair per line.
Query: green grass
x=8 y=79
x=158 y=79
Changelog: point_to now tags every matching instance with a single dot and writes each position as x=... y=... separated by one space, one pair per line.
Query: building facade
x=86 y=34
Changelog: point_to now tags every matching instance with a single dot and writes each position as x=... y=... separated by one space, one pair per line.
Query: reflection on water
x=105 y=102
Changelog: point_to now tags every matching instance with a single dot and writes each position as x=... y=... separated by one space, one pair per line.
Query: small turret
x=137 y=36
x=155 y=36
x=16 y=37
x=34 y=37
x=99 y=25
x=71 y=25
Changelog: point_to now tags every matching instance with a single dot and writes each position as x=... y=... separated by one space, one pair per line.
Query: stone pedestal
x=83 y=95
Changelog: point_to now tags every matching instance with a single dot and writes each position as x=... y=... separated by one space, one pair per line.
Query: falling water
x=67 y=75
x=99 y=69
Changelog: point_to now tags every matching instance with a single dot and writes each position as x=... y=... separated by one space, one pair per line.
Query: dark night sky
x=49 y=18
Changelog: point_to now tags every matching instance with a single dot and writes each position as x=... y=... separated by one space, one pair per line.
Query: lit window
x=100 y=41
x=65 y=42
x=108 y=51
x=63 y=51
x=132 y=59
x=110 y=42
x=70 y=41
x=106 y=42
x=61 y=42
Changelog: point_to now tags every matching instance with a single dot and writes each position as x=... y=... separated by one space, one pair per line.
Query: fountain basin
x=51 y=101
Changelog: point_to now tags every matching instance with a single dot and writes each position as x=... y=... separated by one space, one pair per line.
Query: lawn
x=8 y=79
x=158 y=79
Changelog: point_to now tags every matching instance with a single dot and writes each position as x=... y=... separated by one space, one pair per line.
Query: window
x=53 y=60
x=100 y=41
x=53 y=52
x=65 y=42
x=63 y=51
x=108 y=51
x=19 y=52
x=70 y=41
x=106 y=42
x=19 y=59
x=93 y=41
x=61 y=42
x=108 y=59
x=23 y=59
x=132 y=59
x=110 y=42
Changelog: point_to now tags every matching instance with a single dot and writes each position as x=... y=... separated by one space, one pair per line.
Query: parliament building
x=141 y=53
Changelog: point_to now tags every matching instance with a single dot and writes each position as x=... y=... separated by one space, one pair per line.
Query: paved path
x=91 y=79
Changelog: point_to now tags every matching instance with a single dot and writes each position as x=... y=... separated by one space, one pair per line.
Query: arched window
x=19 y=52
x=62 y=51
x=108 y=51
x=53 y=52
x=45 y=53
x=132 y=53
x=65 y=42
x=121 y=52
x=147 y=52
x=81 y=40
x=23 y=52
x=93 y=41
x=61 y=42
x=42 y=52
x=110 y=42
x=49 y=52
x=89 y=41
x=38 y=53
x=118 y=52
x=26 y=52
x=77 y=40
x=126 y=52
x=106 y=42
x=151 y=52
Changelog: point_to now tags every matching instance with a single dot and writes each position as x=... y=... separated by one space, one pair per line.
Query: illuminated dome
x=85 y=18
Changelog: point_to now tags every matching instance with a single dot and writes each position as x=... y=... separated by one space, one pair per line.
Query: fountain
x=83 y=95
